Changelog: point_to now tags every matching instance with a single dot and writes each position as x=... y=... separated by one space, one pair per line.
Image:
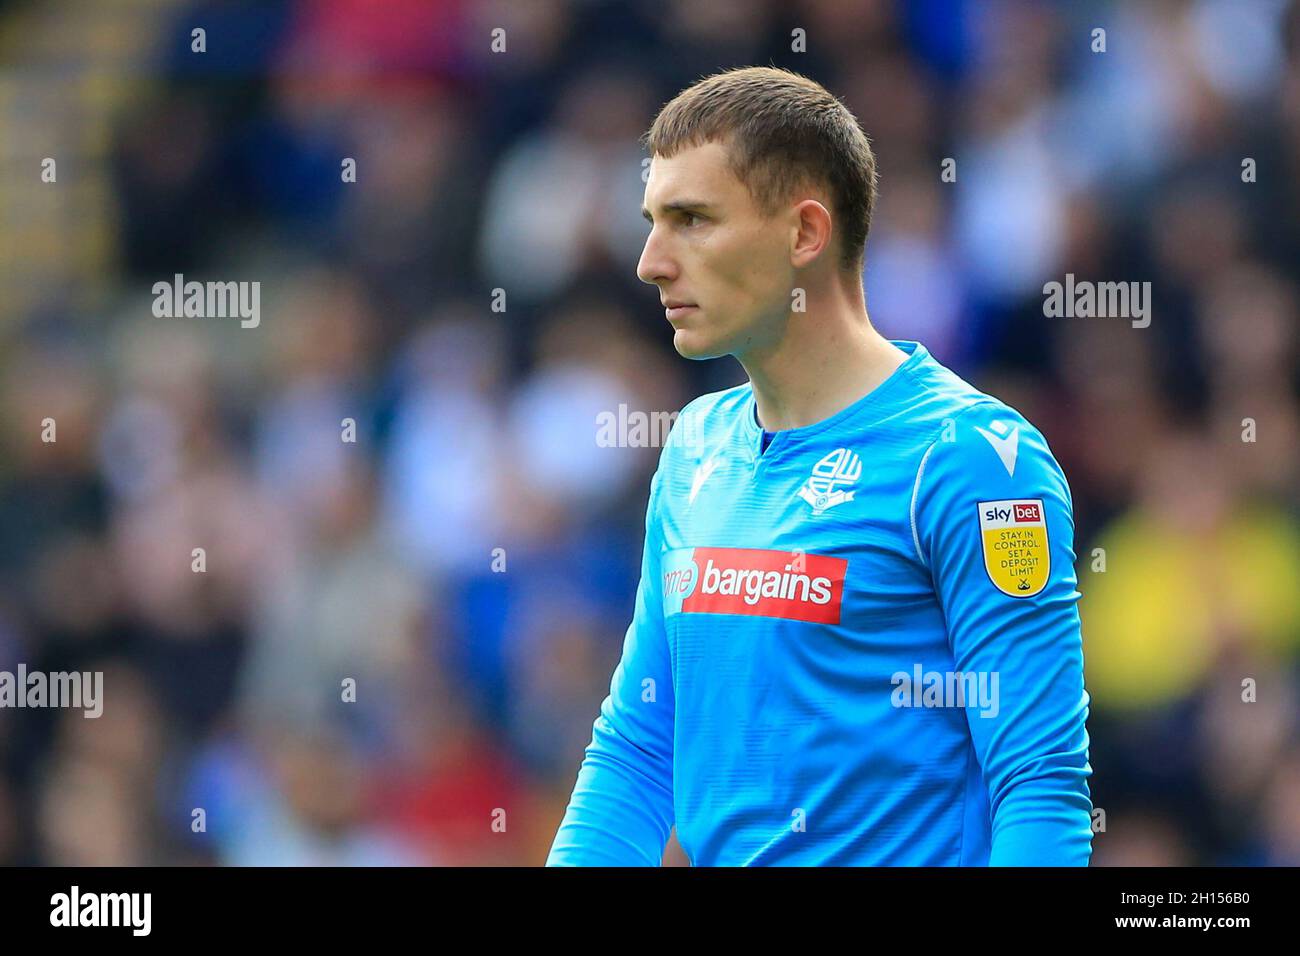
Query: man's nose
x=656 y=265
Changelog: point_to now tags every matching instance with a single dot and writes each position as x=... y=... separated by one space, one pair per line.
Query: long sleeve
x=621 y=810
x=993 y=521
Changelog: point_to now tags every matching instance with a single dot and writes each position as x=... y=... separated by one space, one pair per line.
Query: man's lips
x=675 y=310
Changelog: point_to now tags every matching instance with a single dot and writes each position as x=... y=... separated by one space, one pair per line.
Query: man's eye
x=690 y=218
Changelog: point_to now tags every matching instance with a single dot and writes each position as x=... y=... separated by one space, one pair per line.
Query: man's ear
x=812 y=232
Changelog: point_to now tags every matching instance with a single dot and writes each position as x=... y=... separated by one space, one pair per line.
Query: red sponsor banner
x=787 y=584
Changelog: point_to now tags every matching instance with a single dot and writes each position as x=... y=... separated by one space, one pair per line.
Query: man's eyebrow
x=681 y=205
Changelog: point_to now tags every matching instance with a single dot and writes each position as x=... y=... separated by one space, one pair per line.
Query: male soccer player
x=856 y=638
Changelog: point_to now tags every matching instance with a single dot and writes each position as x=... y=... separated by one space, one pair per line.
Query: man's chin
x=691 y=345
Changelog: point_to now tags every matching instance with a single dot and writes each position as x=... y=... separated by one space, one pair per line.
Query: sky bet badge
x=1014 y=535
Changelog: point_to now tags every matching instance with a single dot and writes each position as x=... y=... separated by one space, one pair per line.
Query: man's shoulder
x=988 y=446
x=981 y=449
x=943 y=397
x=949 y=408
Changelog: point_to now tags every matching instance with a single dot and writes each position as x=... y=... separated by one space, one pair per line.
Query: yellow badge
x=1014 y=536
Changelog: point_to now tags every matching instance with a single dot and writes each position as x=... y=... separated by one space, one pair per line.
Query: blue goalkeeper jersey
x=857 y=646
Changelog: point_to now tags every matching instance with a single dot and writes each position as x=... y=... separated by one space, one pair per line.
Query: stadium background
x=520 y=170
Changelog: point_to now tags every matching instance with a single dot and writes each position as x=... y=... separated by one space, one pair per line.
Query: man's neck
x=827 y=360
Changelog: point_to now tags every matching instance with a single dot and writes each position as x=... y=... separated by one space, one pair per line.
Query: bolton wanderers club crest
x=824 y=488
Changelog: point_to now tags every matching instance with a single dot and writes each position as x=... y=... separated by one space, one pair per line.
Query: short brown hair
x=782 y=131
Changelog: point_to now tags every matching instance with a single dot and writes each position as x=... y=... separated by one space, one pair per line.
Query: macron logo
x=701 y=476
x=1005 y=440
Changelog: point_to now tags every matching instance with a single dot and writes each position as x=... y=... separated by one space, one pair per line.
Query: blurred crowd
x=406 y=624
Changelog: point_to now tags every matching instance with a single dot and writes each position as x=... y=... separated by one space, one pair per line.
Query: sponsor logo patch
x=786 y=584
x=1013 y=533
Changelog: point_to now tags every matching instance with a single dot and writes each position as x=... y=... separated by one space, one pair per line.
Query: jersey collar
x=917 y=354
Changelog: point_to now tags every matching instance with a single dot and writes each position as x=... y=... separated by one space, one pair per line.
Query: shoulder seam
x=916 y=485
